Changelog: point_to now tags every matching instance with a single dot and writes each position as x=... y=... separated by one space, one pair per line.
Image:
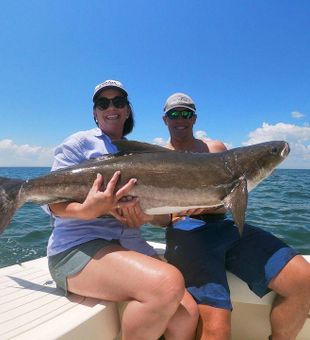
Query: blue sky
x=245 y=63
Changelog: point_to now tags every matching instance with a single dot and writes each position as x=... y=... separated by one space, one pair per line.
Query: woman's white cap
x=110 y=83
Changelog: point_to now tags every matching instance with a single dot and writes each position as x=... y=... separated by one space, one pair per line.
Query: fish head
x=258 y=161
x=266 y=157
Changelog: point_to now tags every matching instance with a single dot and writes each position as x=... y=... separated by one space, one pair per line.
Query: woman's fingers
x=125 y=216
x=118 y=215
x=97 y=183
x=131 y=218
x=112 y=183
x=120 y=201
x=132 y=212
x=127 y=204
x=124 y=190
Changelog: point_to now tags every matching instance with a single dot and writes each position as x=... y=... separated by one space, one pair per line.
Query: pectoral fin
x=237 y=202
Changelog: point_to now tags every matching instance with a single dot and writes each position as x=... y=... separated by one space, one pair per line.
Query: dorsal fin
x=126 y=146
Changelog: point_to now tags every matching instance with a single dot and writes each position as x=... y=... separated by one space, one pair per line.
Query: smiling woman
x=112 y=110
x=91 y=256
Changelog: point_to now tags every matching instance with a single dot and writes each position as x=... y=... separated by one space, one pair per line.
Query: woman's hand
x=97 y=203
x=133 y=215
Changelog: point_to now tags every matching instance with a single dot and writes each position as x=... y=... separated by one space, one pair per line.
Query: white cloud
x=297 y=115
x=160 y=141
x=12 y=154
x=298 y=138
x=201 y=135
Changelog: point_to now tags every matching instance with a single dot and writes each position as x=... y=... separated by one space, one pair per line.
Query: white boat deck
x=31 y=307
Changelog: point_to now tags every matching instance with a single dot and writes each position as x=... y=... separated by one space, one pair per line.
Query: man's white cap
x=179 y=100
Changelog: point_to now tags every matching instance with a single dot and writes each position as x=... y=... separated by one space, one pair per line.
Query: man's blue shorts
x=204 y=253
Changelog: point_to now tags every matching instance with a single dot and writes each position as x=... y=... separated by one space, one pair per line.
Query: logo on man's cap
x=179 y=100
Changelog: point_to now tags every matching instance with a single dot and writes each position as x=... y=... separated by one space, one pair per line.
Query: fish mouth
x=285 y=151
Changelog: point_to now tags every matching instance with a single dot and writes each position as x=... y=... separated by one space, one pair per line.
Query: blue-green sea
x=280 y=204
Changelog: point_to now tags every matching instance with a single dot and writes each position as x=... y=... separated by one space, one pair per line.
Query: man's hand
x=198 y=211
x=190 y=212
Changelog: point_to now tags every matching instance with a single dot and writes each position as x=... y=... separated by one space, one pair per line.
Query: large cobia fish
x=167 y=181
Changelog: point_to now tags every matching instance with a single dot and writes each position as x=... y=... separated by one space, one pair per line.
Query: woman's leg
x=153 y=288
x=183 y=324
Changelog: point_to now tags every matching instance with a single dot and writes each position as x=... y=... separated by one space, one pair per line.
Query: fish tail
x=9 y=199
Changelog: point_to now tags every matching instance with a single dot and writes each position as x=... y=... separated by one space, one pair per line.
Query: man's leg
x=292 y=304
x=200 y=255
x=265 y=262
x=214 y=323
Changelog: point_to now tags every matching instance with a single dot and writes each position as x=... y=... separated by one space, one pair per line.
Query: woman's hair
x=129 y=122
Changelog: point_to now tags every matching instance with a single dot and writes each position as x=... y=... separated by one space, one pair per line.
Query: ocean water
x=280 y=204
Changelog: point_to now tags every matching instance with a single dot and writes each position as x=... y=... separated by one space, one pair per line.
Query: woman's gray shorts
x=73 y=260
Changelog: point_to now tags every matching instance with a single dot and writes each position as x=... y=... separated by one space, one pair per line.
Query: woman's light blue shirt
x=68 y=232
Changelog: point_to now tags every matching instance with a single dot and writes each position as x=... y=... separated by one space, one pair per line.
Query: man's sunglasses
x=182 y=114
x=119 y=102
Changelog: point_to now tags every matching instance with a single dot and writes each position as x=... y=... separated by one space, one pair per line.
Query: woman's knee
x=167 y=285
x=172 y=283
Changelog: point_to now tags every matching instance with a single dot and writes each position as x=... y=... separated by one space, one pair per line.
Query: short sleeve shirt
x=69 y=232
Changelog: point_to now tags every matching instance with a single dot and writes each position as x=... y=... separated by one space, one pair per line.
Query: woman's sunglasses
x=182 y=114
x=119 y=102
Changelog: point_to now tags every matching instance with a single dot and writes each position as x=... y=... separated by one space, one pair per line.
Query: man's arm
x=216 y=146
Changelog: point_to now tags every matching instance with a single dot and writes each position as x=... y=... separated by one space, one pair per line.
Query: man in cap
x=180 y=105
x=257 y=257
